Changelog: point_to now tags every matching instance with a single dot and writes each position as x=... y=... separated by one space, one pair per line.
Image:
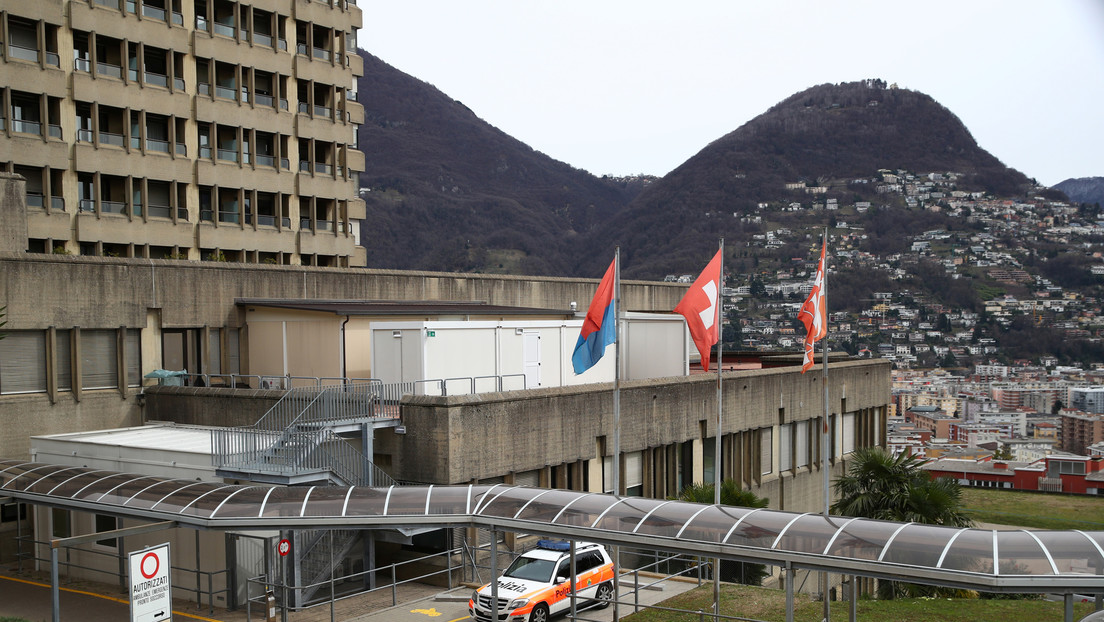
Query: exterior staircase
x=297 y=441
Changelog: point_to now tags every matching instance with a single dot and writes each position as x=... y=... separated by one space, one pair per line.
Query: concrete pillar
x=13 y=213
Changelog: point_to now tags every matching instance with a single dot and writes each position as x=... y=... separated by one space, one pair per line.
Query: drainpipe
x=344 y=368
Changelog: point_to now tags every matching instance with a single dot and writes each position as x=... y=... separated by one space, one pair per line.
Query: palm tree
x=731 y=494
x=878 y=485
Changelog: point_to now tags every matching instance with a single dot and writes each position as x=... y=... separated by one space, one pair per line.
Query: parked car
x=535 y=587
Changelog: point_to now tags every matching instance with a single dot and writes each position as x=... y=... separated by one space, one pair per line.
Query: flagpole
x=717 y=441
x=720 y=347
x=617 y=372
x=824 y=380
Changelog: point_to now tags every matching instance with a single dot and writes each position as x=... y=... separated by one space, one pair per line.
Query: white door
x=531 y=361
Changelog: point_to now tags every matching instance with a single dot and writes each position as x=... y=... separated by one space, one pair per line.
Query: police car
x=535 y=587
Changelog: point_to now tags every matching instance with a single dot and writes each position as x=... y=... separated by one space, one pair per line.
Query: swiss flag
x=813 y=314
x=700 y=307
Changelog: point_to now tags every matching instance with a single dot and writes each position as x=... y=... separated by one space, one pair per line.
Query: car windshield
x=531 y=569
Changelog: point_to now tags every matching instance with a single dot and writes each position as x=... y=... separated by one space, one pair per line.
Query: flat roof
x=154 y=436
x=399 y=307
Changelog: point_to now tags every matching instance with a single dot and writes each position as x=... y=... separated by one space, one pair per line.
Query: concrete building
x=1080 y=430
x=1014 y=395
x=193 y=129
x=1087 y=399
x=933 y=419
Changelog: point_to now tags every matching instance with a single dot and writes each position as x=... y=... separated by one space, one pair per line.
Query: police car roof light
x=554 y=545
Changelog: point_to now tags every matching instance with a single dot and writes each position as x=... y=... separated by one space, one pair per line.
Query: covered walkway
x=1063 y=562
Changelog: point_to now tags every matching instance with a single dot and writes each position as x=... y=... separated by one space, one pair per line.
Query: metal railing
x=294 y=453
x=119 y=564
x=295 y=436
x=389 y=573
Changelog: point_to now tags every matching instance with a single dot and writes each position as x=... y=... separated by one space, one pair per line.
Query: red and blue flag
x=600 y=326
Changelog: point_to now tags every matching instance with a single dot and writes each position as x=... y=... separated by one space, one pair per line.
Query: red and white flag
x=700 y=307
x=813 y=314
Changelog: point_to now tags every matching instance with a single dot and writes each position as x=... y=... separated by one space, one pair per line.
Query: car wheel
x=604 y=595
x=540 y=613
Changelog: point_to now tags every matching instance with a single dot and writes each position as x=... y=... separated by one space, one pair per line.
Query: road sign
x=284 y=547
x=150 y=588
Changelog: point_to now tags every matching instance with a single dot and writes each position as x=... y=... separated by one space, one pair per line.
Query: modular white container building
x=526 y=353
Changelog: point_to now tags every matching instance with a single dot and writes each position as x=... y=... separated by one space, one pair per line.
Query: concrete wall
x=457 y=439
x=208 y=406
x=103 y=292
x=26 y=415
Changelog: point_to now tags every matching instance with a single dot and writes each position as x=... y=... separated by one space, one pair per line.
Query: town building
x=933 y=419
x=1087 y=399
x=186 y=129
x=1080 y=430
x=1057 y=473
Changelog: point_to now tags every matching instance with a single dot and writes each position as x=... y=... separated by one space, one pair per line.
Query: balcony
x=22 y=53
x=226 y=30
x=113 y=207
x=107 y=138
x=107 y=69
x=156 y=79
x=160 y=146
x=153 y=12
x=160 y=211
x=27 y=127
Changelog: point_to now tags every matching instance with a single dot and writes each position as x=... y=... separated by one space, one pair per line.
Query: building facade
x=185 y=129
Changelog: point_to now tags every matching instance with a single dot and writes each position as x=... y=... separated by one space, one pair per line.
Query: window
x=709 y=451
x=766 y=448
x=26 y=114
x=785 y=448
x=64 y=346
x=801 y=447
x=607 y=474
x=848 y=433
x=634 y=474
x=107 y=523
x=133 y=355
x=11 y=512
x=99 y=360
x=23 y=362
x=60 y=523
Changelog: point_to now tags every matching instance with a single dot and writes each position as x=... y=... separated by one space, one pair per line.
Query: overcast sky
x=640 y=86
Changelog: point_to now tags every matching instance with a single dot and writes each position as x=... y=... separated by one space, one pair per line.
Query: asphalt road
x=453 y=606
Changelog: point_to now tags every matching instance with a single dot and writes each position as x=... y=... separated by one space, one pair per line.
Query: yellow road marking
x=431 y=612
x=95 y=595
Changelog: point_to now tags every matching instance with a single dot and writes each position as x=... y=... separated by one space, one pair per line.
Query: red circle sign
x=284 y=547
x=156 y=565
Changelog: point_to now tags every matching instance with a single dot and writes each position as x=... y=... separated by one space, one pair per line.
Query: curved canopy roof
x=993 y=560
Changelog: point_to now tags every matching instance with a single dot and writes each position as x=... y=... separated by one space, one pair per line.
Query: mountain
x=1084 y=189
x=447 y=191
x=833 y=136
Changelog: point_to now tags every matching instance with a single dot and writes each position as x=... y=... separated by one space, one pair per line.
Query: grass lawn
x=1034 y=510
x=770 y=606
